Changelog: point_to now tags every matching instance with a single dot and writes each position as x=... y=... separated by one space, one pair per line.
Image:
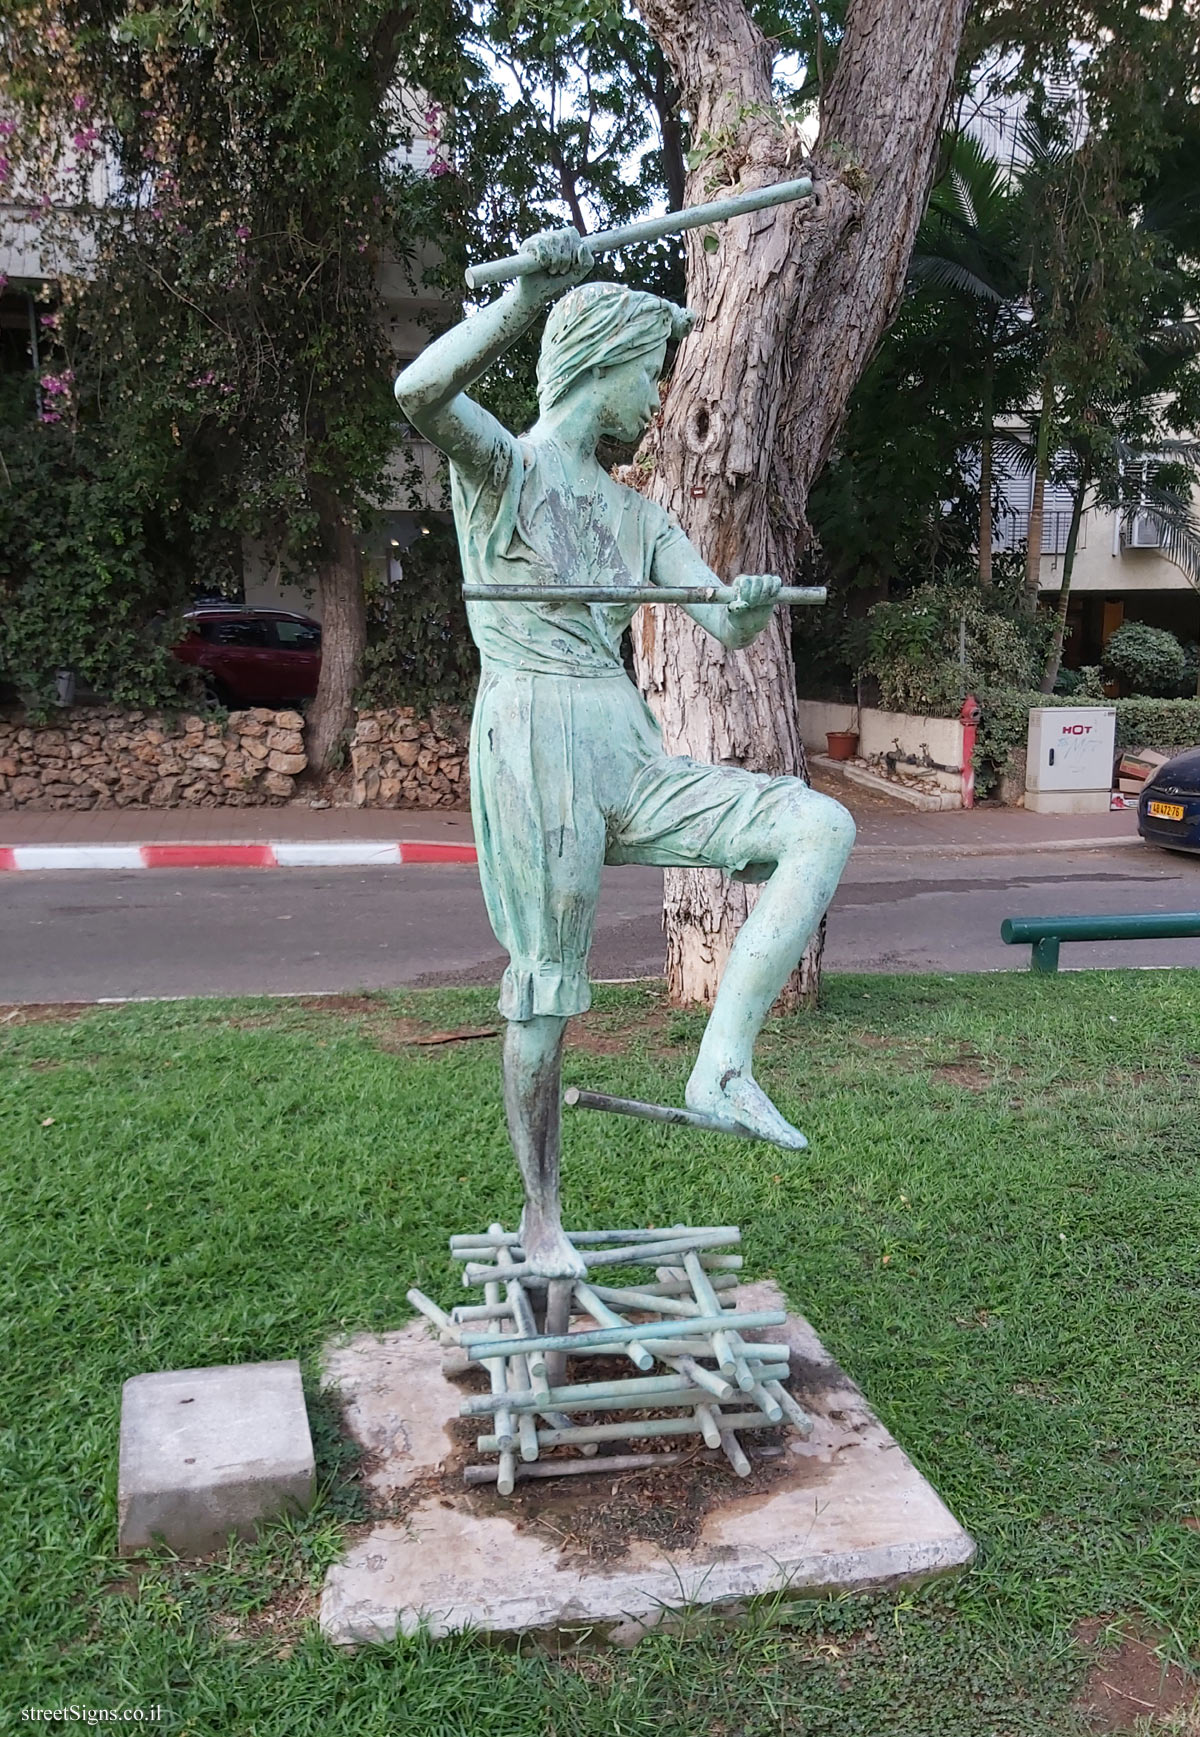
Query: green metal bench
x=1044 y=934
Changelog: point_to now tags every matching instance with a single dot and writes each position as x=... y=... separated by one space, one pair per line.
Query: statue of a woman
x=568 y=770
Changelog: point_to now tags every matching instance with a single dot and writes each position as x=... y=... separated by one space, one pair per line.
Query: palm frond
x=950 y=274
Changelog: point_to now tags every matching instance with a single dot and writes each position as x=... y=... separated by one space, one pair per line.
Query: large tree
x=220 y=300
x=792 y=305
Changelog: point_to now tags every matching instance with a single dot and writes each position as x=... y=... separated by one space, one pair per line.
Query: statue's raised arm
x=432 y=390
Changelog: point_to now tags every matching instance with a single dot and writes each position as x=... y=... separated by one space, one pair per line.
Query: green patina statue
x=568 y=770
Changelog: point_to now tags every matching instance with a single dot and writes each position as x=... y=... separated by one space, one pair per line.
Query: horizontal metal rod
x=575 y=1099
x=1126 y=926
x=512 y=1238
x=481 y=1345
x=636 y=1390
x=633 y=1429
x=692 y=1235
x=652 y=228
x=796 y=596
x=633 y=1254
x=606 y=1463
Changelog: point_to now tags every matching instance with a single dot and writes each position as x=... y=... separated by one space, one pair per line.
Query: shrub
x=1167 y=725
x=947 y=639
x=1148 y=660
x=419 y=650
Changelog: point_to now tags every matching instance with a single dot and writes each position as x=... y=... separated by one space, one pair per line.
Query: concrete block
x=207 y=1452
x=850 y=1511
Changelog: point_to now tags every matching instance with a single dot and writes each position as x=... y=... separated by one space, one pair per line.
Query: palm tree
x=972 y=246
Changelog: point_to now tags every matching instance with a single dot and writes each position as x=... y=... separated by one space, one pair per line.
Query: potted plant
x=843 y=744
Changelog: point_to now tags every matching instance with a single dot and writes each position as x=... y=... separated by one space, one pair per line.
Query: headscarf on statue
x=601 y=325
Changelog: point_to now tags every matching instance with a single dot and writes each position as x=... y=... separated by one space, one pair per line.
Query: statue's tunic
x=568 y=770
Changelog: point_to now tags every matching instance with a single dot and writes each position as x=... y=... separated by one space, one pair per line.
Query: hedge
x=1141 y=723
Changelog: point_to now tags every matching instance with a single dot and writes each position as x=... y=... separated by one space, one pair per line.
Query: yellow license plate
x=1165 y=810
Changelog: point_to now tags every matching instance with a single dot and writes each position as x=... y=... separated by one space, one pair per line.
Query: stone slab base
x=844 y=1509
x=207 y=1452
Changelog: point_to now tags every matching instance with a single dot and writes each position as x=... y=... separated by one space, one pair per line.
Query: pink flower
x=50 y=416
x=83 y=141
x=439 y=166
x=80 y=101
x=7 y=129
x=50 y=321
x=3 y=280
x=242 y=233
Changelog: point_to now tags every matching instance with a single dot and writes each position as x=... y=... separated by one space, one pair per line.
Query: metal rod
x=678 y=1236
x=636 y=1254
x=497 y=1368
x=633 y=1429
x=734 y=1454
x=608 y=1464
x=632 y=1390
x=652 y=228
x=710 y=1429
x=606 y=1317
x=559 y=1293
x=576 y=1099
x=618 y=1337
x=431 y=1312
x=796 y=596
x=512 y=1238
x=795 y=1414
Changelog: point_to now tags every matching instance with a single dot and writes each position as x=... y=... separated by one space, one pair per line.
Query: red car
x=252 y=657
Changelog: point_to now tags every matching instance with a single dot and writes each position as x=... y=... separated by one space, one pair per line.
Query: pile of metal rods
x=682 y=1333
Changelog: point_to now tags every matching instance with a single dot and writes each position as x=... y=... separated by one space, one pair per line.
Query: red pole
x=969 y=718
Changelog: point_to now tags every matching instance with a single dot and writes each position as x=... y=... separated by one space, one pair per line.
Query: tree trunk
x=1037 y=504
x=343 y=628
x=792 y=305
x=985 y=477
x=1054 y=656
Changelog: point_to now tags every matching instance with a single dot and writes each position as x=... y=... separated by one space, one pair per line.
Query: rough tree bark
x=792 y=305
x=343 y=627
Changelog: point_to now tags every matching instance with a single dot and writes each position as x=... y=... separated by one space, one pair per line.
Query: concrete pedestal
x=207 y=1452
x=843 y=1509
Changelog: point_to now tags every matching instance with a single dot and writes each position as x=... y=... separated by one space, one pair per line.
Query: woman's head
x=616 y=336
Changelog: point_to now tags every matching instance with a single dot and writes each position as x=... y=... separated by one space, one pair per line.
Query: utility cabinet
x=1070 y=759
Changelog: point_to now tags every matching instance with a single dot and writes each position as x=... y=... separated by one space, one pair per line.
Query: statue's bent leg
x=809 y=840
x=533 y=1106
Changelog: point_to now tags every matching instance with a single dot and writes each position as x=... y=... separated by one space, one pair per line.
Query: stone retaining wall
x=401 y=760
x=102 y=757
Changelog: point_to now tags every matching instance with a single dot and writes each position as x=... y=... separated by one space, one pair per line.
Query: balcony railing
x=1011 y=530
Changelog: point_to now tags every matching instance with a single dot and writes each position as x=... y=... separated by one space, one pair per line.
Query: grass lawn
x=996 y=1231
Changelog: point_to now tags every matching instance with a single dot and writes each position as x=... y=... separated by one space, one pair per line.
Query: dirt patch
x=963 y=1073
x=595 y=1518
x=653 y=1028
x=1131 y=1681
x=365 y=1002
x=43 y=1012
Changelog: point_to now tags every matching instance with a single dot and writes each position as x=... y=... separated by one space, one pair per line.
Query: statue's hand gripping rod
x=652 y=228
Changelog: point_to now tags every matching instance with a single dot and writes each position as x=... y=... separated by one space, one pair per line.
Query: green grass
x=997 y=1232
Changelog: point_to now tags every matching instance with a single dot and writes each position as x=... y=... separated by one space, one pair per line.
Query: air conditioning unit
x=1145 y=532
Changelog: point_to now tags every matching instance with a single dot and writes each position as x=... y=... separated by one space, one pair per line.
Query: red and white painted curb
x=295 y=853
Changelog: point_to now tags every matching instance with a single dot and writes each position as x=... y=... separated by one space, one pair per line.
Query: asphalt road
x=82 y=936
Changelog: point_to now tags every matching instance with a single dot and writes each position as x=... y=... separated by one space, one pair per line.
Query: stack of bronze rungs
x=681 y=1331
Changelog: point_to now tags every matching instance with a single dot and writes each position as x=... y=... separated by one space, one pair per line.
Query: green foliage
x=943 y=641
x=1147 y=660
x=80 y=585
x=1085 y=683
x=218 y=314
x=1141 y=723
x=999 y=1218
x=419 y=650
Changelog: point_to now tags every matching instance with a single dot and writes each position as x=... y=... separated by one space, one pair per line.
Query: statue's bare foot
x=550 y=1255
x=737 y=1097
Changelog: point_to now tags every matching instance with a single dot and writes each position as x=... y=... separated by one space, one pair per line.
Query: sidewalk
x=300 y=836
